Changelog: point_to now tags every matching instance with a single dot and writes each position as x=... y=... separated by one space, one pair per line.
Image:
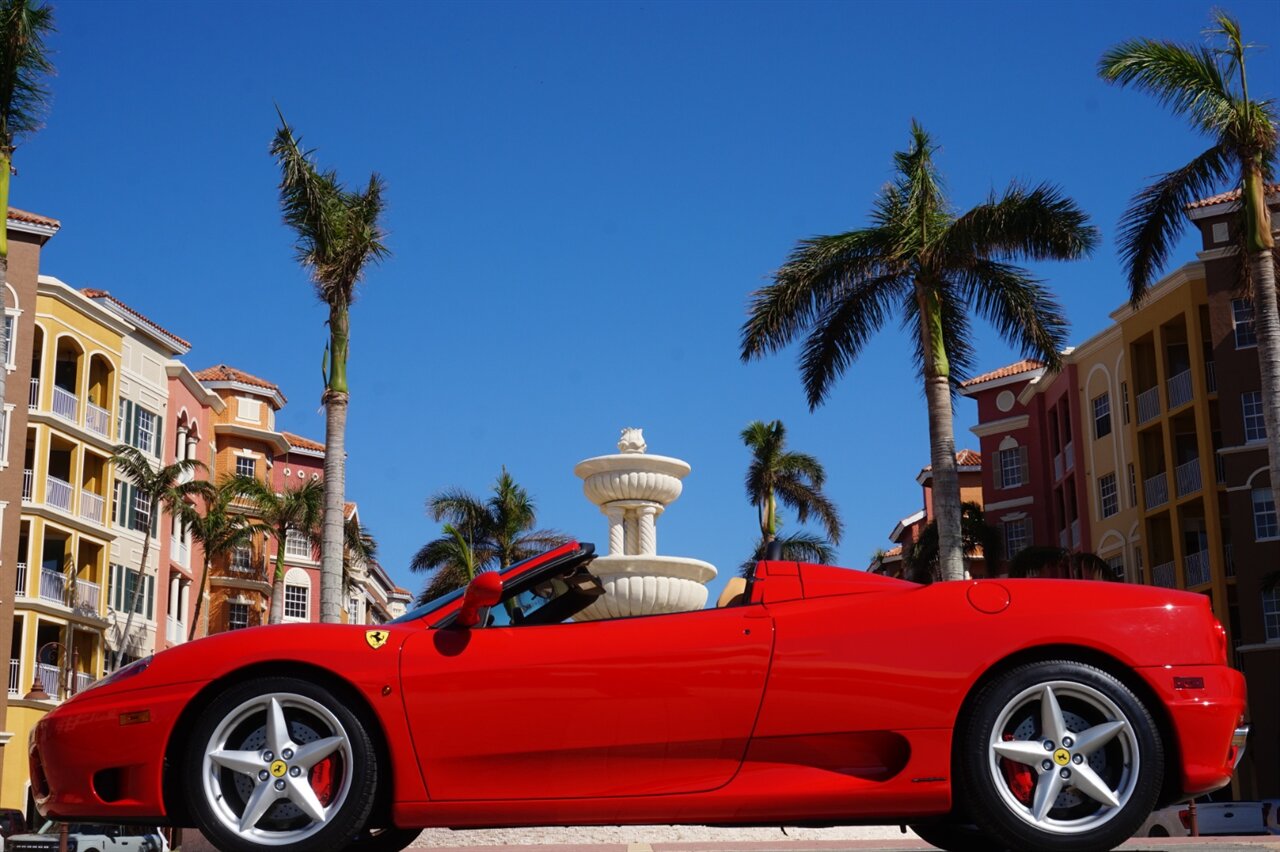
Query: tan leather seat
x=733 y=593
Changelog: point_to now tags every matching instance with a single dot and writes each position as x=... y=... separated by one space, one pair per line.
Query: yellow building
x=61 y=606
x=1174 y=431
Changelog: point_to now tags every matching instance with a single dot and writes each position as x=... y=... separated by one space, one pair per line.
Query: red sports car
x=1029 y=714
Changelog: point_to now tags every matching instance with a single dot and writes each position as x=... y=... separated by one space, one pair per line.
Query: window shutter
x=129 y=423
x=130 y=508
x=151 y=597
x=157 y=440
x=1022 y=464
x=115 y=588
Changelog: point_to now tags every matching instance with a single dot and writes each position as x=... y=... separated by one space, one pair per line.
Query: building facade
x=906 y=532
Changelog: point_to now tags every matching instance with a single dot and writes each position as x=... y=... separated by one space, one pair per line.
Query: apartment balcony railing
x=1210 y=377
x=50 y=679
x=1179 y=389
x=53 y=586
x=15 y=678
x=174 y=630
x=1165 y=575
x=97 y=419
x=57 y=492
x=1075 y=533
x=1069 y=453
x=179 y=550
x=1220 y=469
x=1187 y=477
x=33 y=395
x=1063 y=539
x=1227 y=561
x=91 y=507
x=1156 y=490
x=66 y=404
x=1149 y=404
x=1197 y=565
x=83 y=681
x=1057 y=467
x=88 y=595
x=20 y=580
x=28 y=485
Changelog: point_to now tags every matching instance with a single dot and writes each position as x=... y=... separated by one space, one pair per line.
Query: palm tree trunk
x=277 y=586
x=942 y=445
x=1266 y=321
x=195 y=616
x=132 y=603
x=334 y=482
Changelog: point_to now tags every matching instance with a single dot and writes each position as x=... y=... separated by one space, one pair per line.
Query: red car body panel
x=830 y=696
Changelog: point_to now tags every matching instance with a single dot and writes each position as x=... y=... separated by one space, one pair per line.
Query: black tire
x=1007 y=717
x=956 y=836
x=238 y=719
x=384 y=840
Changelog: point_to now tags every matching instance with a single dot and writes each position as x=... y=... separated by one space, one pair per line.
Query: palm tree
x=481 y=535
x=24 y=99
x=796 y=479
x=1197 y=83
x=221 y=529
x=1060 y=563
x=338 y=236
x=169 y=488
x=294 y=509
x=979 y=537
x=934 y=270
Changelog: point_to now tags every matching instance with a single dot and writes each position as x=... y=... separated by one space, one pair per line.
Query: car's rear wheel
x=1059 y=756
x=956 y=836
x=281 y=764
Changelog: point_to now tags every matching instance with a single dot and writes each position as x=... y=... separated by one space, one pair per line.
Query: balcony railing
x=50 y=679
x=53 y=586
x=1197 y=565
x=1075 y=533
x=66 y=404
x=1063 y=539
x=1057 y=467
x=1164 y=575
x=97 y=419
x=33 y=395
x=15 y=678
x=1210 y=377
x=174 y=630
x=91 y=507
x=28 y=485
x=20 y=580
x=1187 y=477
x=58 y=493
x=1180 y=389
x=179 y=550
x=1149 y=404
x=1227 y=561
x=88 y=595
x=1156 y=490
x=83 y=681
x=1220 y=469
x=1069 y=453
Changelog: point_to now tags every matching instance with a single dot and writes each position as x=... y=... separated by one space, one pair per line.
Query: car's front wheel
x=281 y=764
x=1059 y=756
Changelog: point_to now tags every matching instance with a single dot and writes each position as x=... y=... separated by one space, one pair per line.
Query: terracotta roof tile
x=1233 y=195
x=106 y=296
x=223 y=373
x=968 y=458
x=894 y=551
x=1024 y=366
x=303 y=443
x=33 y=218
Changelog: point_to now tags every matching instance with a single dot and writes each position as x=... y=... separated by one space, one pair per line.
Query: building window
x=295 y=602
x=248 y=409
x=237 y=616
x=1015 y=537
x=141 y=512
x=1013 y=467
x=1117 y=567
x=11 y=345
x=1133 y=486
x=246 y=466
x=1255 y=427
x=242 y=560
x=124 y=588
x=1102 y=415
x=1124 y=401
x=1265 y=523
x=1109 y=495
x=297 y=544
x=353 y=610
x=1271 y=613
x=1242 y=321
x=145 y=439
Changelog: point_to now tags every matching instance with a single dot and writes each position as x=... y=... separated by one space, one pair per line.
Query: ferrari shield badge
x=376 y=638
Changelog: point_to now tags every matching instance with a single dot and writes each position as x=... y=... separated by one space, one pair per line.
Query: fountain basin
x=648 y=585
x=631 y=476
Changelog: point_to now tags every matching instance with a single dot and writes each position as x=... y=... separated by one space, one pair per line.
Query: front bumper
x=1205 y=707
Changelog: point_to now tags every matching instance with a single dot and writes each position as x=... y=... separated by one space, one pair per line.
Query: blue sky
x=582 y=197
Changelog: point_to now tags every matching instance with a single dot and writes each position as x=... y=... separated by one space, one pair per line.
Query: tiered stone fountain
x=632 y=488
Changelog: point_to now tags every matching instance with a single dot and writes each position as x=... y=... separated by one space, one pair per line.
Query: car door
x=624 y=707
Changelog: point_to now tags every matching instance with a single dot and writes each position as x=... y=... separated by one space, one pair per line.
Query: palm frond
x=1025 y=223
x=797 y=547
x=24 y=65
x=807 y=500
x=1021 y=308
x=1184 y=78
x=1154 y=221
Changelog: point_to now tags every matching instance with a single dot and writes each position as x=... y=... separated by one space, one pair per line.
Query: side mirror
x=484 y=591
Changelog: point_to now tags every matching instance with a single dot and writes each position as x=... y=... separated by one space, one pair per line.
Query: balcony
x=1227 y=561
x=57 y=493
x=1164 y=575
x=91 y=507
x=66 y=404
x=1063 y=539
x=174 y=630
x=15 y=678
x=1057 y=467
x=97 y=419
x=28 y=485
x=1187 y=477
x=1148 y=405
x=1210 y=377
x=1075 y=533
x=53 y=586
x=88 y=595
x=1069 y=453
x=20 y=581
x=1197 y=565
x=33 y=396
x=1179 y=389
x=1220 y=469
x=179 y=550
x=1156 y=491
x=50 y=680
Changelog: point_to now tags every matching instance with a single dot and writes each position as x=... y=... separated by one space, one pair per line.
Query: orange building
x=907 y=531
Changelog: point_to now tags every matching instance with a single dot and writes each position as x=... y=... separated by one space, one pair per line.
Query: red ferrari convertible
x=1024 y=714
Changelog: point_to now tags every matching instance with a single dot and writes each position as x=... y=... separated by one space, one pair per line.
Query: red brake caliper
x=1019 y=777
x=321 y=778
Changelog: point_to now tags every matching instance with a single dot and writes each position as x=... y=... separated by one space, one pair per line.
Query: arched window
x=297 y=595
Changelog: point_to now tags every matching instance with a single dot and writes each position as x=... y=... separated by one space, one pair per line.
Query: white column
x=631 y=527
x=617 y=540
x=180 y=452
x=184 y=603
x=648 y=529
x=191 y=447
